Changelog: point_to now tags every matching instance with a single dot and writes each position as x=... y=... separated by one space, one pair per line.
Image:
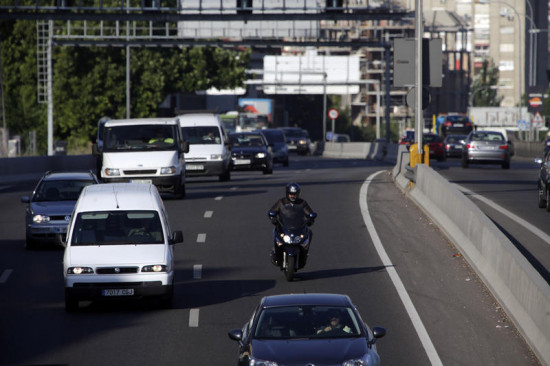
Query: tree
x=484 y=87
x=90 y=82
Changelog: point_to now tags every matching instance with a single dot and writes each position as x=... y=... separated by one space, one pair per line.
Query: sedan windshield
x=60 y=190
x=115 y=227
x=307 y=322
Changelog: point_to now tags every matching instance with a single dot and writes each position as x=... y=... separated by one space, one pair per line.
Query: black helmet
x=293 y=191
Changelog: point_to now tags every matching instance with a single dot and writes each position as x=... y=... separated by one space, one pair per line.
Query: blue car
x=50 y=206
x=307 y=329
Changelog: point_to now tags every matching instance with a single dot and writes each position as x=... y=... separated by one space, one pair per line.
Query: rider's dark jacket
x=287 y=209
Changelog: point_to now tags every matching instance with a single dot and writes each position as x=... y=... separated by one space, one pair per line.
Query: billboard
x=306 y=74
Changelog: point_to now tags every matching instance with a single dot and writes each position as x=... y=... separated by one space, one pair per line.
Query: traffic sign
x=333 y=113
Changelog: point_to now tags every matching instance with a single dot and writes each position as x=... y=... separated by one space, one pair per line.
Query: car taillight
x=503 y=147
x=468 y=146
x=468 y=124
x=447 y=124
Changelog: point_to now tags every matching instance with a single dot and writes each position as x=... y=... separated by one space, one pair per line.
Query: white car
x=119 y=245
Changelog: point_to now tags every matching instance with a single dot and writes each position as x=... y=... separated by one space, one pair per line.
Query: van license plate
x=118 y=292
x=194 y=167
x=142 y=181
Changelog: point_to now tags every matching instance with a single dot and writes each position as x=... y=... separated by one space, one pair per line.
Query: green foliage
x=90 y=82
x=484 y=86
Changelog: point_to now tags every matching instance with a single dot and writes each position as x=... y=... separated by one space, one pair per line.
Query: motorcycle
x=291 y=240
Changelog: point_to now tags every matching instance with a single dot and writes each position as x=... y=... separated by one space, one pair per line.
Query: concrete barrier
x=523 y=293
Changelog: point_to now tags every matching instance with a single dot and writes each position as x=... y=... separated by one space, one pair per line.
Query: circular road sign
x=333 y=113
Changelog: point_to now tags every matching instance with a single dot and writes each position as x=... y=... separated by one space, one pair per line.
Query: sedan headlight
x=168 y=170
x=260 y=155
x=80 y=270
x=302 y=142
x=112 y=172
x=258 y=362
x=366 y=360
x=154 y=268
x=40 y=219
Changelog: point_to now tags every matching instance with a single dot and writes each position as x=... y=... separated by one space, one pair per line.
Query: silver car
x=51 y=204
x=486 y=147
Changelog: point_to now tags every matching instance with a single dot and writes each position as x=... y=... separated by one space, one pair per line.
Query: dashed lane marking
x=193 y=318
x=5 y=275
x=197 y=271
x=201 y=238
x=208 y=214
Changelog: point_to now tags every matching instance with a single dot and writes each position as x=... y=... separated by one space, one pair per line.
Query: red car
x=435 y=143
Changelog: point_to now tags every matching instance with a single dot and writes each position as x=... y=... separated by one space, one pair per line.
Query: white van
x=147 y=150
x=209 y=151
x=119 y=245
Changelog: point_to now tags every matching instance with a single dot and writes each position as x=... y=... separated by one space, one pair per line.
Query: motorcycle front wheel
x=290 y=268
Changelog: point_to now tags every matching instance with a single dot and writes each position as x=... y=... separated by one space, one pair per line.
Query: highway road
x=370 y=242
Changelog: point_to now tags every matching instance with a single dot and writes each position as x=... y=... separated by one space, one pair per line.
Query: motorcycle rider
x=290 y=207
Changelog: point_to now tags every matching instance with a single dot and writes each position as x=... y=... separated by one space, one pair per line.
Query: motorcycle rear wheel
x=290 y=268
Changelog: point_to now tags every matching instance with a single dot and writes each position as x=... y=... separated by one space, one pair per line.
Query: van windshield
x=117 y=227
x=201 y=135
x=140 y=137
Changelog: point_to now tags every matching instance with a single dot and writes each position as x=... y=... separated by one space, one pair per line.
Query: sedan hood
x=105 y=255
x=247 y=150
x=310 y=351
x=53 y=208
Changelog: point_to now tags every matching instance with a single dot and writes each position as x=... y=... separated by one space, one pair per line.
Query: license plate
x=194 y=167
x=118 y=292
x=458 y=125
x=242 y=161
x=141 y=181
x=488 y=148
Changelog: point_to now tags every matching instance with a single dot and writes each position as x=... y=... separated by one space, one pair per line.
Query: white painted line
x=208 y=214
x=201 y=238
x=193 y=318
x=234 y=188
x=197 y=271
x=5 y=275
x=219 y=198
x=402 y=292
x=532 y=228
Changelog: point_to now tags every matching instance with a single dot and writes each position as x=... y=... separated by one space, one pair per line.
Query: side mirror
x=272 y=214
x=177 y=237
x=377 y=332
x=95 y=150
x=185 y=147
x=235 y=334
x=313 y=216
x=537 y=160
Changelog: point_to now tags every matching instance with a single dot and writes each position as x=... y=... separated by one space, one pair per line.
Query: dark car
x=51 y=204
x=307 y=329
x=488 y=147
x=456 y=124
x=453 y=145
x=250 y=151
x=297 y=140
x=543 y=182
x=277 y=140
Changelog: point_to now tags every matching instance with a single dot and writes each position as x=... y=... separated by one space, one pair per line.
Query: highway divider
x=518 y=287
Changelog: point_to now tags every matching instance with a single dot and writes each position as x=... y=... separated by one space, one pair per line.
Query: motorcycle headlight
x=286 y=239
x=112 y=172
x=258 y=362
x=40 y=219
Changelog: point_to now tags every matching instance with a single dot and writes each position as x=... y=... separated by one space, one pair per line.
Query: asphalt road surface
x=370 y=242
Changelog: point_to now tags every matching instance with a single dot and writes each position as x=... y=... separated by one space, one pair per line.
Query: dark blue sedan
x=307 y=329
x=250 y=151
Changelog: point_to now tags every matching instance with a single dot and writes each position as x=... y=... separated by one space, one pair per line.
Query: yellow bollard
x=416 y=158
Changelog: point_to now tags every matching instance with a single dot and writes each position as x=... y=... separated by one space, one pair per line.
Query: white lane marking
x=532 y=228
x=5 y=275
x=407 y=302
x=234 y=188
x=219 y=198
x=208 y=214
x=201 y=238
x=193 y=318
x=197 y=271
